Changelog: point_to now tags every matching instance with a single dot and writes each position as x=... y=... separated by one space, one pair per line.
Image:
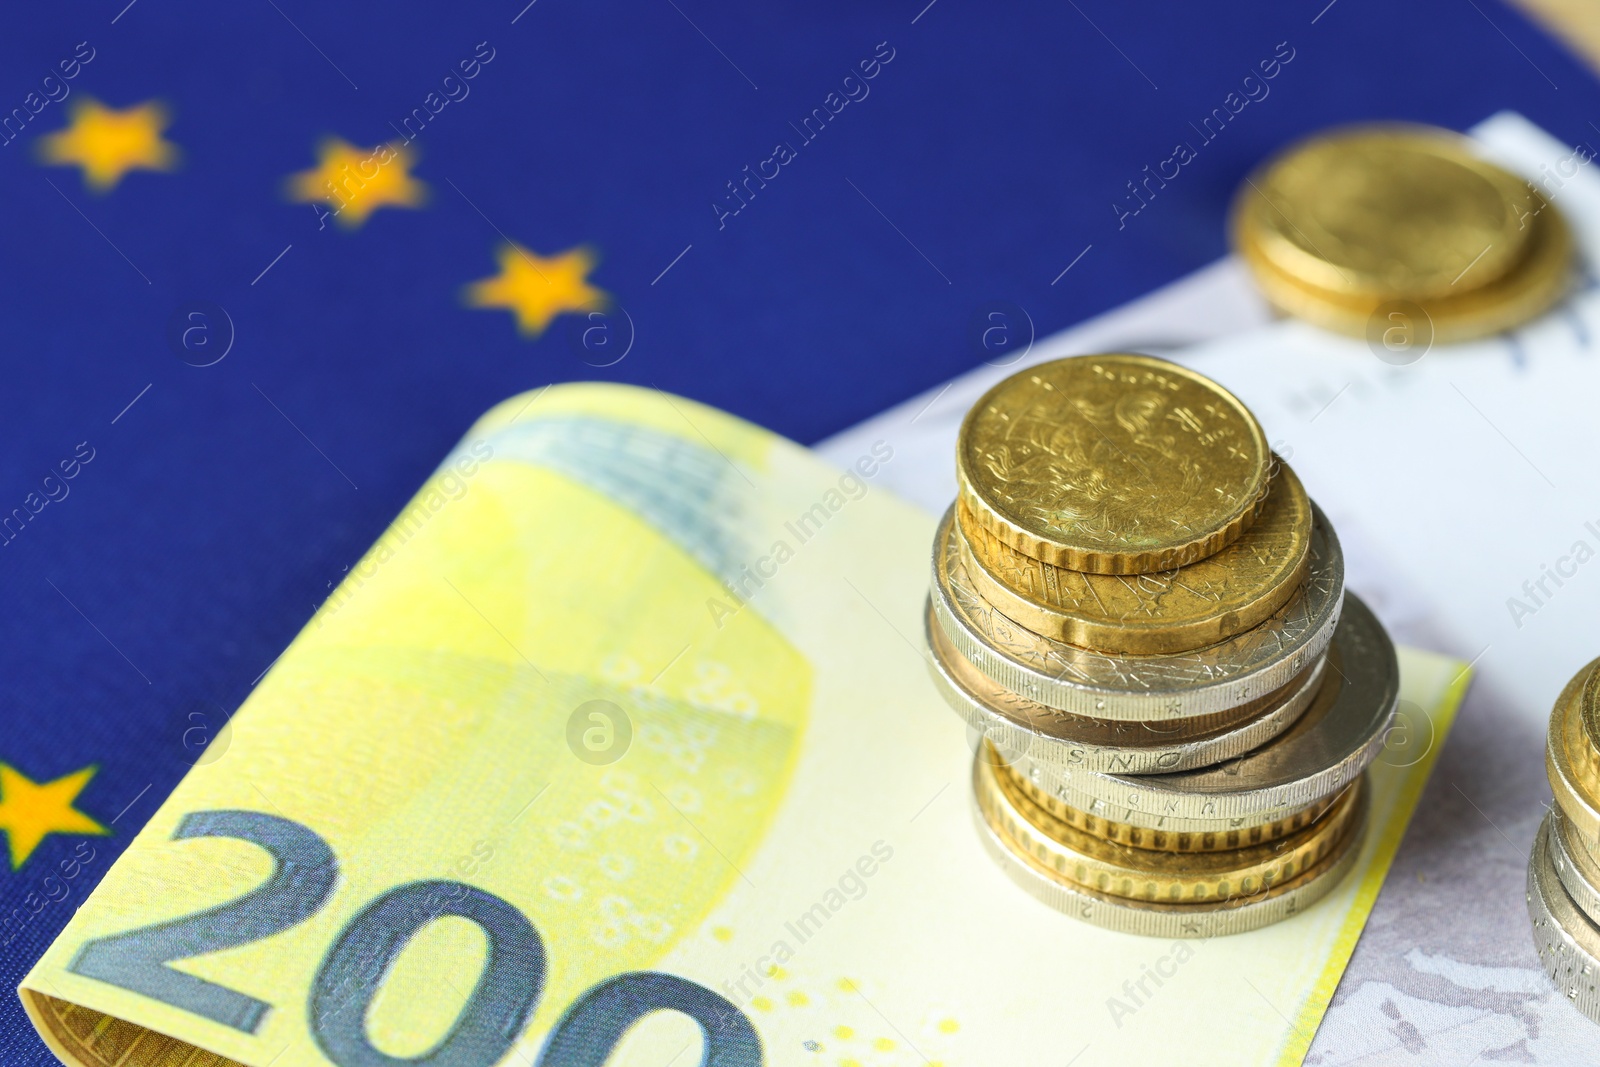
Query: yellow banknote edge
x=1436 y=684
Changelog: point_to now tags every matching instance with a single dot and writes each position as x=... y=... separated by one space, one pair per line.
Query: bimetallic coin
x=1331 y=743
x=1387 y=211
x=1575 y=865
x=1176 y=610
x=1203 y=921
x=1140 y=874
x=1571 y=761
x=1567 y=942
x=1141 y=688
x=1018 y=726
x=1116 y=464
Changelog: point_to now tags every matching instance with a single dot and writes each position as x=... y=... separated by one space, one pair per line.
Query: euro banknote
x=620 y=747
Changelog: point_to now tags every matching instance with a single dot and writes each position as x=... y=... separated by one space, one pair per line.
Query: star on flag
x=30 y=810
x=108 y=143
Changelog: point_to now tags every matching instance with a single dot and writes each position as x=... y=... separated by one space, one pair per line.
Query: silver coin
x=1327 y=747
x=1234 y=916
x=1567 y=942
x=1019 y=727
x=1571 y=865
x=1140 y=688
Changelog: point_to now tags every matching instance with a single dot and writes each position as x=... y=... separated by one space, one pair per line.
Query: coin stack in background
x=1564 y=870
x=1141 y=611
x=1403 y=234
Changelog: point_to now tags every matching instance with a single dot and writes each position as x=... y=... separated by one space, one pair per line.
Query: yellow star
x=29 y=810
x=535 y=289
x=355 y=182
x=108 y=143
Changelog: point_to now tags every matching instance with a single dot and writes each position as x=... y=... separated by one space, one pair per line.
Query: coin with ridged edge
x=1142 y=874
x=1141 y=688
x=1567 y=942
x=1178 y=835
x=1018 y=726
x=1575 y=865
x=1115 y=463
x=1331 y=743
x=1161 y=612
x=1233 y=916
x=1571 y=761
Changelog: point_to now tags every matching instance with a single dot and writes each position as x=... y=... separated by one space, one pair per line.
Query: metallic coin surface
x=1388 y=211
x=1018 y=726
x=1331 y=743
x=1567 y=942
x=1178 y=835
x=1571 y=761
x=1131 y=873
x=1405 y=229
x=1542 y=279
x=1116 y=464
x=1575 y=865
x=1161 y=612
x=1149 y=919
x=1141 y=688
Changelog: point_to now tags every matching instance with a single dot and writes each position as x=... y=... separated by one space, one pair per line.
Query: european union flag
x=265 y=261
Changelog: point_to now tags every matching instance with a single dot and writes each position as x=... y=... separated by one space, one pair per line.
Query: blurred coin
x=1331 y=743
x=1175 y=610
x=1347 y=223
x=1019 y=726
x=1571 y=761
x=1141 y=688
x=1567 y=942
x=1575 y=865
x=1115 y=464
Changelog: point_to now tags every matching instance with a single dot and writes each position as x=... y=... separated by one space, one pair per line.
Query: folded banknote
x=620 y=747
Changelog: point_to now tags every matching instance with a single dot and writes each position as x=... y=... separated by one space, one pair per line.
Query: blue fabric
x=985 y=154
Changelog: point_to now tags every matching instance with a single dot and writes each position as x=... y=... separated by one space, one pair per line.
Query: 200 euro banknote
x=620 y=747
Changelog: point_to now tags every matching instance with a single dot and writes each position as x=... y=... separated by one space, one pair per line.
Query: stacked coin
x=1143 y=614
x=1564 y=870
x=1384 y=231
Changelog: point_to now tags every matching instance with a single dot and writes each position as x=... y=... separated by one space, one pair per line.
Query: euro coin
x=1113 y=464
x=1575 y=865
x=1175 y=835
x=1160 y=612
x=1331 y=743
x=1140 y=874
x=1141 y=688
x=1159 y=919
x=1567 y=942
x=1571 y=761
x=1339 y=226
x=1021 y=727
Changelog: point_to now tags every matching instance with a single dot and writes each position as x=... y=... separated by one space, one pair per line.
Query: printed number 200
x=303 y=877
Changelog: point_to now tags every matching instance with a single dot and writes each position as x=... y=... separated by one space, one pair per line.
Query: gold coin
x=1169 y=839
x=1143 y=874
x=1115 y=464
x=1571 y=760
x=1161 y=612
x=1388 y=211
x=1340 y=226
x=1501 y=305
x=1234 y=915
